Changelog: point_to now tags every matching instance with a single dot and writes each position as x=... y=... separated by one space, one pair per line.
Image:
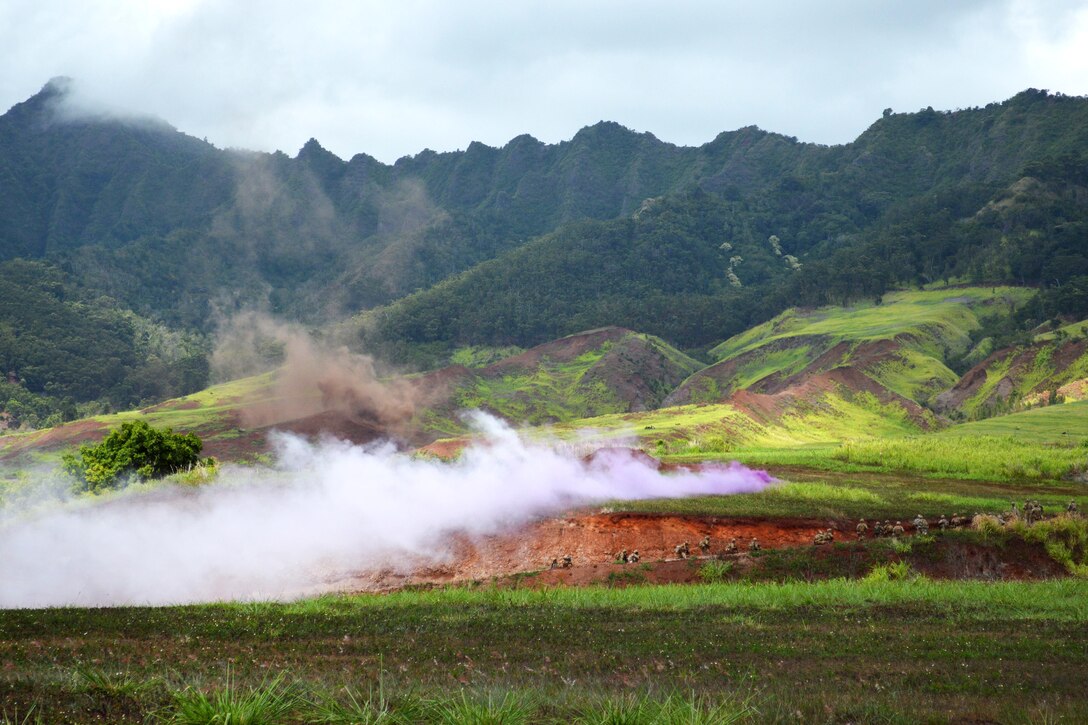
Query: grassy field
x=863 y=651
x=921 y=327
x=1050 y=424
x=695 y=430
x=930 y=319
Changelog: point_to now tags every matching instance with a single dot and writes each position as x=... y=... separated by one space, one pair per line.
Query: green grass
x=552 y=391
x=838 y=495
x=269 y=702
x=1070 y=331
x=479 y=356
x=696 y=430
x=706 y=652
x=926 y=325
x=1050 y=424
x=929 y=319
x=914 y=375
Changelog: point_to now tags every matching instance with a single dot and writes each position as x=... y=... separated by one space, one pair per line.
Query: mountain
x=993 y=195
x=525 y=243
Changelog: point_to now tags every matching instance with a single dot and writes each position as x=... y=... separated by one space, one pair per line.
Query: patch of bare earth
x=524 y=556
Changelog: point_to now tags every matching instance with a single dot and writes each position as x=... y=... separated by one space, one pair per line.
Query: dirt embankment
x=523 y=557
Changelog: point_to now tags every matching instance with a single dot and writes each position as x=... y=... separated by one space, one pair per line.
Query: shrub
x=715 y=571
x=271 y=702
x=135 y=448
x=892 y=571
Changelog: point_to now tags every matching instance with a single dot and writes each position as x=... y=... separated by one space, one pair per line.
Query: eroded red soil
x=592 y=540
x=523 y=557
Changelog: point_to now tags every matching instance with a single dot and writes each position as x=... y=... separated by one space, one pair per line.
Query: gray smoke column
x=329 y=507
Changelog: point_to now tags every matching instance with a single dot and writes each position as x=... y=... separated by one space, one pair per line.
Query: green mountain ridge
x=529 y=242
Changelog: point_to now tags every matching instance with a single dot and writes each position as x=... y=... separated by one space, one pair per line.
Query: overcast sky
x=392 y=78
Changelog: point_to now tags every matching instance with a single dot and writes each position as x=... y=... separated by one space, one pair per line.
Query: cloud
x=323 y=510
x=391 y=79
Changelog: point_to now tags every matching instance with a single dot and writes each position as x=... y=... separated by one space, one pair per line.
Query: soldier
x=753 y=545
x=731 y=547
x=1014 y=511
x=555 y=564
x=957 y=521
x=704 y=545
x=921 y=526
x=830 y=536
x=568 y=561
x=1071 y=507
x=943 y=523
x=862 y=528
x=818 y=538
x=687 y=549
x=679 y=551
x=621 y=558
x=897 y=530
x=878 y=528
x=634 y=558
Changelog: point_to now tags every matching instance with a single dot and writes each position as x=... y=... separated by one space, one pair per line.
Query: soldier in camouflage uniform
x=634 y=558
x=921 y=526
x=878 y=528
x=704 y=545
x=568 y=561
x=943 y=523
x=753 y=545
x=731 y=547
x=621 y=558
x=1072 y=507
x=897 y=530
x=862 y=528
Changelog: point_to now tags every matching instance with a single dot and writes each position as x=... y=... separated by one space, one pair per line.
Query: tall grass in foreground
x=25 y=719
x=1063 y=599
x=271 y=702
x=673 y=709
x=490 y=707
x=976 y=457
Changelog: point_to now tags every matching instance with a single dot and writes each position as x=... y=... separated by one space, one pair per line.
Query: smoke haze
x=312 y=378
x=322 y=510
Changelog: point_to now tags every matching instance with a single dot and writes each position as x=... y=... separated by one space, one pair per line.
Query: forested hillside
x=144 y=237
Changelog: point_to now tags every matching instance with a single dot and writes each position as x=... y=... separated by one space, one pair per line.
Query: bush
x=133 y=449
x=890 y=572
x=715 y=571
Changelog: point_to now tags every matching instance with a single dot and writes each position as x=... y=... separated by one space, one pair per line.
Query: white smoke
x=326 y=508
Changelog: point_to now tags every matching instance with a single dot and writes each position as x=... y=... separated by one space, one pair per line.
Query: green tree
x=134 y=448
